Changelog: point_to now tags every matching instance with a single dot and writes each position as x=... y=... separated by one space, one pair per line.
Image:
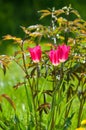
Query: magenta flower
x=59 y=55
x=35 y=53
x=63 y=51
x=54 y=57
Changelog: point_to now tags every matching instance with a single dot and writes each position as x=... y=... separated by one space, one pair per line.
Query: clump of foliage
x=54 y=71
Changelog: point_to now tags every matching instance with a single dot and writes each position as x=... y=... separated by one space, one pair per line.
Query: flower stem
x=80 y=112
x=24 y=64
x=53 y=105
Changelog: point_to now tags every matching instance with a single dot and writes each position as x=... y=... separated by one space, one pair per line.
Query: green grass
x=12 y=77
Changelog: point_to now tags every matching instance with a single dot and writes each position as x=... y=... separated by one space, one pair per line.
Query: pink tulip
x=63 y=51
x=54 y=57
x=35 y=53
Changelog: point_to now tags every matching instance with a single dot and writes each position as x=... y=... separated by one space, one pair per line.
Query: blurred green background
x=16 y=13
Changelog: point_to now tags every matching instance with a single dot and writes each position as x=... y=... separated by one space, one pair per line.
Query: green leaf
x=3 y=126
x=68 y=122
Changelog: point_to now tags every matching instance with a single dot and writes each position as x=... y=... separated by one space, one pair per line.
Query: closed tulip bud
x=54 y=57
x=35 y=53
x=63 y=51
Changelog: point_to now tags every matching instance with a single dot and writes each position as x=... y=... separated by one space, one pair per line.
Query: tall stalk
x=80 y=111
x=24 y=64
x=37 y=100
x=53 y=104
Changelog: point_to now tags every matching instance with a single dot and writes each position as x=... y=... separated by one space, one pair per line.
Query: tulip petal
x=35 y=53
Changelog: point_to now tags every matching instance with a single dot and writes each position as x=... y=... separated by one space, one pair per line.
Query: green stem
x=80 y=112
x=24 y=64
x=37 y=100
x=40 y=115
x=27 y=103
x=37 y=83
x=53 y=102
x=53 y=112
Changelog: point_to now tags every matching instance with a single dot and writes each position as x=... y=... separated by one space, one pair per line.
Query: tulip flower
x=63 y=51
x=35 y=53
x=54 y=57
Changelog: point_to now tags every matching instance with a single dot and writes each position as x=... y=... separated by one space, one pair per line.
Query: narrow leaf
x=9 y=100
